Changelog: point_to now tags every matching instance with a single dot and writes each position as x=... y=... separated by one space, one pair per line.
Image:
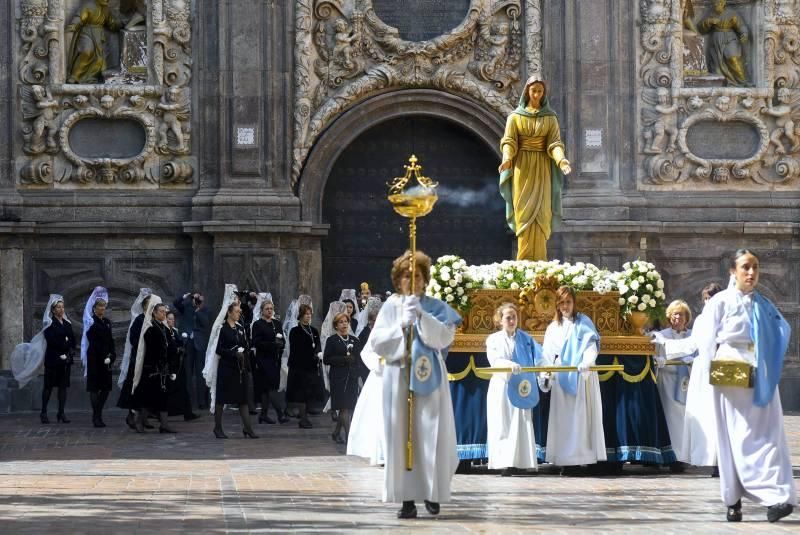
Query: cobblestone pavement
x=74 y=478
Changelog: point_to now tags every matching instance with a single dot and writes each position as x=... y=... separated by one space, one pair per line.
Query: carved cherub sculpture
x=662 y=120
x=784 y=121
x=41 y=109
x=498 y=42
x=176 y=109
x=343 y=44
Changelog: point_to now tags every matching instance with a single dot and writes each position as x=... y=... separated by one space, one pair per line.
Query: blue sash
x=770 y=333
x=523 y=390
x=426 y=374
x=583 y=335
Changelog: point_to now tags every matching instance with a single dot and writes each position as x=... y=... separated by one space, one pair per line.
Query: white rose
x=634 y=285
x=652 y=304
x=510 y=276
x=660 y=284
x=469 y=286
x=649 y=287
x=529 y=274
x=514 y=286
x=448 y=298
x=560 y=278
x=645 y=298
x=659 y=294
x=445 y=277
x=642 y=306
x=452 y=283
x=448 y=290
x=628 y=272
x=622 y=289
x=464 y=300
x=633 y=299
x=650 y=265
x=640 y=279
x=437 y=295
x=626 y=265
x=622 y=301
x=460 y=290
x=437 y=287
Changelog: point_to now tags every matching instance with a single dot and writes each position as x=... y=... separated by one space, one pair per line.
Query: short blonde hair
x=498 y=313
x=679 y=305
x=402 y=265
x=340 y=316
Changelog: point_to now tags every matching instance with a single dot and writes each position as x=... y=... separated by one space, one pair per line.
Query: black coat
x=345 y=363
x=303 y=384
x=101 y=346
x=155 y=382
x=178 y=401
x=234 y=366
x=269 y=349
x=60 y=341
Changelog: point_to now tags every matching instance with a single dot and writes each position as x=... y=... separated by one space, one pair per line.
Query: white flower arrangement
x=452 y=282
x=640 y=288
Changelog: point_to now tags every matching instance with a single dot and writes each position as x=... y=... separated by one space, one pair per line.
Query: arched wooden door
x=366 y=234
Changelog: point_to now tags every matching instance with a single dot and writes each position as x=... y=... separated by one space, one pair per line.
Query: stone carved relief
x=344 y=53
x=674 y=97
x=51 y=107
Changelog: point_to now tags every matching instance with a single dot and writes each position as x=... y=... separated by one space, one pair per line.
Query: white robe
x=699 y=445
x=509 y=438
x=366 y=428
x=434 y=430
x=754 y=458
x=575 y=427
x=674 y=411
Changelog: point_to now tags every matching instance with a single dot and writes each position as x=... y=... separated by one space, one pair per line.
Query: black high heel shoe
x=734 y=513
x=130 y=419
x=62 y=418
x=248 y=433
x=43 y=418
x=265 y=419
x=219 y=433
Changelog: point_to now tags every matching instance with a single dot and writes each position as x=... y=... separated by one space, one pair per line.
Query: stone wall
x=671 y=163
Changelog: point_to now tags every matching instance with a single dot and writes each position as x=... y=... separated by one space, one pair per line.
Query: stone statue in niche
x=338 y=45
x=661 y=120
x=784 y=114
x=694 y=54
x=176 y=110
x=39 y=107
x=86 y=59
x=727 y=44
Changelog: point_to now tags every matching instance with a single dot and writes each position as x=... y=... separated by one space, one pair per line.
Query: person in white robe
x=740 y=324
x=435 y=457
x=575 y=431
x=673 y=381
x=699 y=445
x=510 y=436
x=366 y=430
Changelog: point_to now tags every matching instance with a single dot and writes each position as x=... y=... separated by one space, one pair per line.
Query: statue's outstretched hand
x=565 y=167
x=505 y=165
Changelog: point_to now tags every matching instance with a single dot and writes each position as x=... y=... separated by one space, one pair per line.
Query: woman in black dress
x=268 y=342
x=100 y=356
x=152 y=389
x=233 y=371
x=178 y=402
x=126 y=399
x=342 y=354
x=303 y=384
x=58 y=358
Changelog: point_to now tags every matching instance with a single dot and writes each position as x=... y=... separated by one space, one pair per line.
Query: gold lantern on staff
x=412 y=200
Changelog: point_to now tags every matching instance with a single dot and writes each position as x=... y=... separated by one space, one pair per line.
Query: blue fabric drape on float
x=469 y=405
x=633 y=419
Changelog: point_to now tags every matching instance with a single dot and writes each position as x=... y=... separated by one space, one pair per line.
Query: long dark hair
x=740 y=253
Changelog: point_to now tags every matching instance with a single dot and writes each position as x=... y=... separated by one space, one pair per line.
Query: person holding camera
x=268 y=342
x=194 y=312
x=100 y=353
x=58 y=358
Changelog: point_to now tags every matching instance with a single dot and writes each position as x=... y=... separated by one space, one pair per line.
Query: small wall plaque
x=245 y=136
x=593 y=139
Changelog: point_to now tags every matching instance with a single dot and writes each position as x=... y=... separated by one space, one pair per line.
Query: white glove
x=279 y=335
x=107 y=360
x=63 y=357
x=515 y=368
x=319 y=355
x=173 y=376
x=412 y=301
x=409 y=316
x=184 y=336
x=660 y=361
x=583 y=368
x=240 y=350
